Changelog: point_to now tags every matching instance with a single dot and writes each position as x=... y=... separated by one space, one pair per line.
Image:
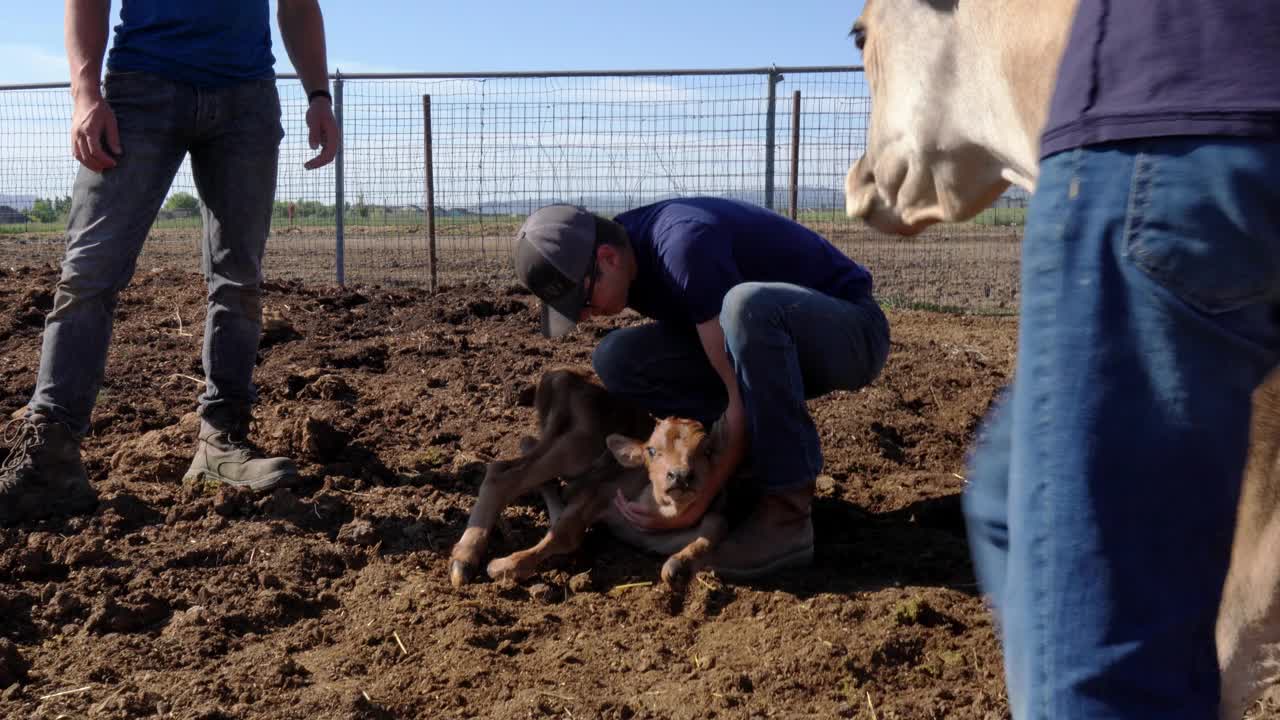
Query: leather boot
x=225 y=455
x=778 y=535
x=42 y=476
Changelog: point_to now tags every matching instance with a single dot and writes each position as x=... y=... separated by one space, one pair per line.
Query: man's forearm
x=85 y=35
x=734 y=443
x=302 y=27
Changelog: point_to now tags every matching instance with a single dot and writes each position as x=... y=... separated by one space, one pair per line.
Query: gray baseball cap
x=555 y=249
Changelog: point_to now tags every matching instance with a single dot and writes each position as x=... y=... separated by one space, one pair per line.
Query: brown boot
x=42 y=475
x=778 y=535
x=225 y=455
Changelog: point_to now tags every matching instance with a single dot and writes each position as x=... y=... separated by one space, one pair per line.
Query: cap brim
x=562 y=316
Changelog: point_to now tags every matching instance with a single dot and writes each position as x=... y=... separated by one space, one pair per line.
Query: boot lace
x=24 y=438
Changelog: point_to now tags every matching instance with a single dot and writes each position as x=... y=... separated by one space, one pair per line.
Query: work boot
x=778 y=535
x=227 y=456
x=42 y=476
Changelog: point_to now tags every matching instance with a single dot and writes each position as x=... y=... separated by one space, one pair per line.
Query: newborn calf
x=600 y=445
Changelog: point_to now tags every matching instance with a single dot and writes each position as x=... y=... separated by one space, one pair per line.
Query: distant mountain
x=18 y=202
x=808 y=198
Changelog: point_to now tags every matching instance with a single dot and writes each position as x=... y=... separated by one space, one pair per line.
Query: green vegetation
x=181 y=211
x=1002 y=217
x=900 y=303
x=183 y=202
x=992 y=217
x=50 y=210
x=33 y=227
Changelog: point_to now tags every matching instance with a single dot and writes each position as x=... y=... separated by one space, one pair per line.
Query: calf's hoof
x=462 y=573
x=676 y=573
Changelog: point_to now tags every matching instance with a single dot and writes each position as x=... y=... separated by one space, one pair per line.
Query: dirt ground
x=331 y=599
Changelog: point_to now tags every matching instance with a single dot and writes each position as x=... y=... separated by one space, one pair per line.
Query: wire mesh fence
x=501 y=145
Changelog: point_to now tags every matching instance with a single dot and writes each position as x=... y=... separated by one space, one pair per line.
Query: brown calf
x=596 y=442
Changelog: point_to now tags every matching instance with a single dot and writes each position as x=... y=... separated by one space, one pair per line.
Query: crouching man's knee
x=607 y=360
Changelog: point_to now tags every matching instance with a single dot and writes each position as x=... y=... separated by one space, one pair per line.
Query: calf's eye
x=859 y=34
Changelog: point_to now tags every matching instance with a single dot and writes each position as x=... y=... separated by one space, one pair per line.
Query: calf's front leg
x=680 y=568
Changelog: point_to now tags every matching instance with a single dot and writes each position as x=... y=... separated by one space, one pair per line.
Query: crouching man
x=753 y=315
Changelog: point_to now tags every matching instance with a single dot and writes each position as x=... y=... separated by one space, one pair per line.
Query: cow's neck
x=1029 y=38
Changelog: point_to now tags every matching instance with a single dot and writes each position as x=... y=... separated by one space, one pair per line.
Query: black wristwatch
x=319 y=93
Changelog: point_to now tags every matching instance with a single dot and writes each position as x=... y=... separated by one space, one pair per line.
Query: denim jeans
x=1103 y=488
x=786 y=343
x=233 y=135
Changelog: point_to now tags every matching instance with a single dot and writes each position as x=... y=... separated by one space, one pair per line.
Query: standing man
x=1103 y=490
x=182 y=78
x=754 y=314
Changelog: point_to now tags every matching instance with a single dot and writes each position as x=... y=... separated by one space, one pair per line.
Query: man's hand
x=302 y=29
x=95 y=137
x=645 y=513
x=323 y=133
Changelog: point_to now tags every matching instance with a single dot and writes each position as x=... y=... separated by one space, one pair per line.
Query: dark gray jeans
x=233 y=135
x=787 y=344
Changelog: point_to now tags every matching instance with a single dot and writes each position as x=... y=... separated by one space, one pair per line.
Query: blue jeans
x=786 y=343
x=233 y=135
x=1103 y=488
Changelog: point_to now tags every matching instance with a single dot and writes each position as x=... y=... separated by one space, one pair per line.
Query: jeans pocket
x=1183 y=228
x=257 y=112
x=141 y=101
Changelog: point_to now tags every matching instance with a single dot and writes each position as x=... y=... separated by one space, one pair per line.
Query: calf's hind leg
x=565 y=535
x=505 y=481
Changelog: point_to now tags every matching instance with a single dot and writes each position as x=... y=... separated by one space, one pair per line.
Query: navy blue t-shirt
x=1167 y=67
x=206 y=44
x=691 y=251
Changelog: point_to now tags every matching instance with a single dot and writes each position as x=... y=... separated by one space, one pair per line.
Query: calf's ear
x=626 y=451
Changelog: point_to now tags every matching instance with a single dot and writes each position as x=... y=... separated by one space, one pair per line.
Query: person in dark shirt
x=1103 y=488
x=754 y=314
x=182 y=78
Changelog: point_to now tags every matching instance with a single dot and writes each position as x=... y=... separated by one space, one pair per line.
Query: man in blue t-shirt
x=1103 y=489
x=182 y=78
x=755 y=314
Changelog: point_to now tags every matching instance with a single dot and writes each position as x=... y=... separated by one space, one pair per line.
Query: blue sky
x=411 y=35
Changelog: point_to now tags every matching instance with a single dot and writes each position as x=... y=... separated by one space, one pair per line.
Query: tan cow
x=959 y=92
x=602 y=446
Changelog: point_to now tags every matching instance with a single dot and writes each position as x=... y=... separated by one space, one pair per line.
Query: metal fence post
x=339 y=191
x=430 y=191
x=795 y=153
x=770 y=132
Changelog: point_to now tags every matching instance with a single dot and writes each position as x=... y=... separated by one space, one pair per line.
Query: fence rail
x=413 y=196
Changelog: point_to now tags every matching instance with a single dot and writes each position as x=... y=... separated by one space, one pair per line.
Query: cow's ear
x=626 y=451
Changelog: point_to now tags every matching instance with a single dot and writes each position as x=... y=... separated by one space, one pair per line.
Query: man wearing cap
x=753 y=314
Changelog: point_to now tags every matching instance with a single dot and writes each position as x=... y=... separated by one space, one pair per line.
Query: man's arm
x=730 y=454
x=302 y=27
x=95 y=137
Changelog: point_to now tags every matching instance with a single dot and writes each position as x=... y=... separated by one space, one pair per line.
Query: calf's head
x=677 y=456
